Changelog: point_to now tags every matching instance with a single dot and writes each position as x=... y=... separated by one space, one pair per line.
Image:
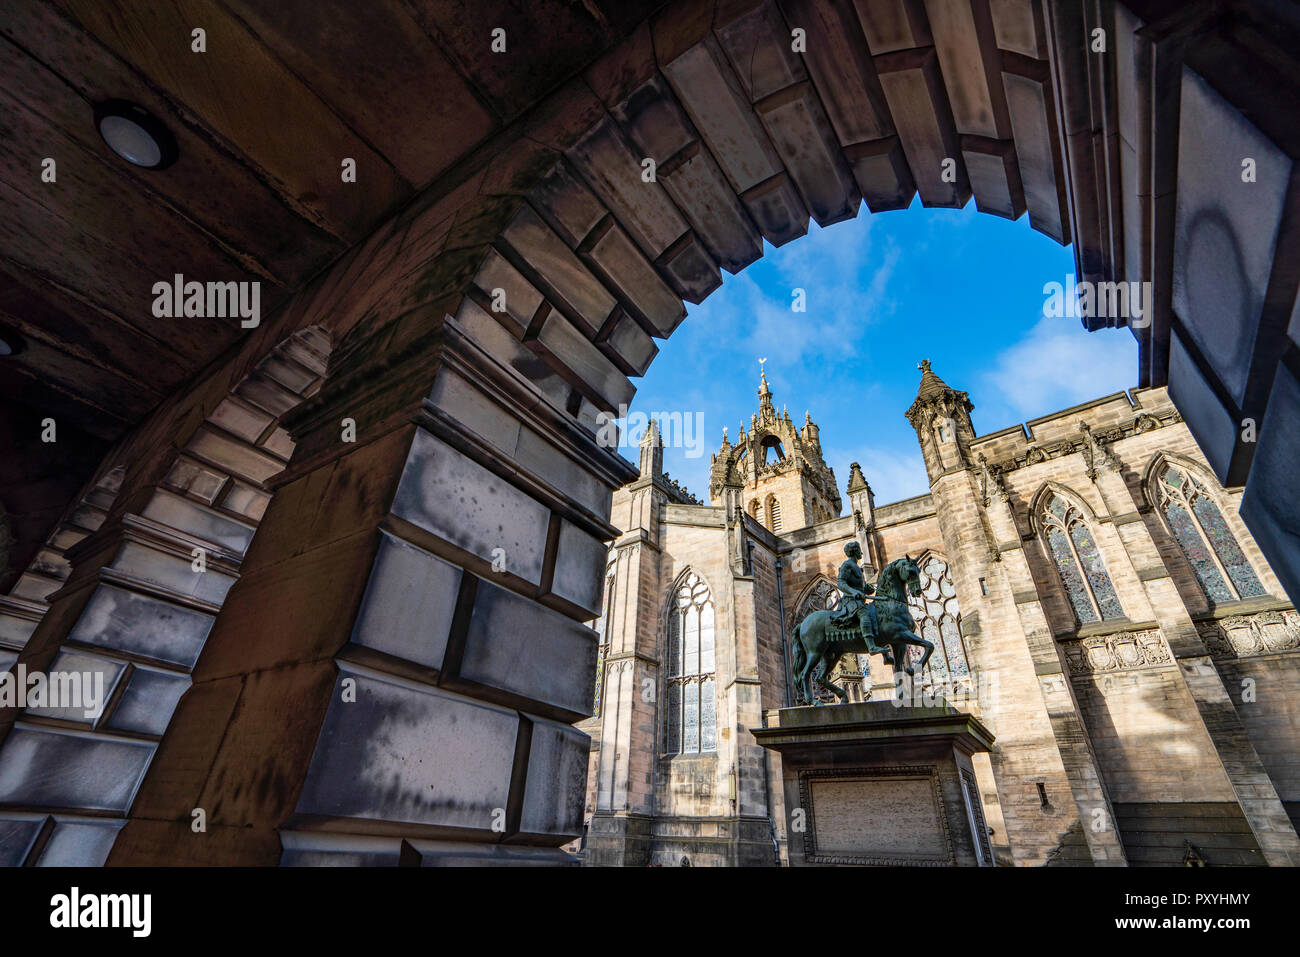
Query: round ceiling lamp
x=11 y=343
x=135 y=134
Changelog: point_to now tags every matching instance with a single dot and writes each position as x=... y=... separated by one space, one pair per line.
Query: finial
x=924 y=365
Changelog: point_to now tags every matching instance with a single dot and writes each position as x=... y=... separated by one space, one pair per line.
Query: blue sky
x=960 y=288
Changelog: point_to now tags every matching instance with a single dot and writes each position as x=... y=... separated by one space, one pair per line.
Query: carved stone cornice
x=1095 y=442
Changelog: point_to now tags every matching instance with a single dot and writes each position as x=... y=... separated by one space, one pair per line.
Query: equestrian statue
x=873 y=621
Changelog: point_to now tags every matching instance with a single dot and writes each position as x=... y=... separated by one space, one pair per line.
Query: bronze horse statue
x=890 y=624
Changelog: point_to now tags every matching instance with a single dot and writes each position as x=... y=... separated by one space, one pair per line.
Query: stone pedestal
x=875 y=784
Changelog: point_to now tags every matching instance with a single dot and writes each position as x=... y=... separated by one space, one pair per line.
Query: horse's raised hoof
x=887 y=658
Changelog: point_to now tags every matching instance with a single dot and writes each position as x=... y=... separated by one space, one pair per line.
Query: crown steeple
x=778 y=466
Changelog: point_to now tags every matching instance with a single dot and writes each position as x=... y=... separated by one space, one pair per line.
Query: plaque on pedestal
x=875 y=784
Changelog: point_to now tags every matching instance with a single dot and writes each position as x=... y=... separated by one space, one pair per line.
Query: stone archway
x=438 y=535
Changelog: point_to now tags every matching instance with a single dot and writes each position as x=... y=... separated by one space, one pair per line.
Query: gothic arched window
x=938 y=619
x=691 y=712
x=753 y=510
x=773 y=513
x=1078 y=561
x=1196 y=522
x=603 y=625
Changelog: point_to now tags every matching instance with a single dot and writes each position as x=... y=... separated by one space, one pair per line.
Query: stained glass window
x=691 y=715
x=1079 y=563
x=1218 y=562
x=937 y=615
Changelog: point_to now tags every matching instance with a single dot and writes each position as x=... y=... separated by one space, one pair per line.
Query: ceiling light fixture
x=135 y=134
x=11 y=343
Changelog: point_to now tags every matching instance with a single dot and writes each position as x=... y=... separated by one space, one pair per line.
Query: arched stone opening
x=487 y=327
x=133 y=601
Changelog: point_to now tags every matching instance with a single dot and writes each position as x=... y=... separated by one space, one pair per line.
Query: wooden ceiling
x=264 y=119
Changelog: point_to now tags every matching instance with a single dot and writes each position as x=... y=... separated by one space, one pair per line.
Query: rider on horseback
x=854 y=612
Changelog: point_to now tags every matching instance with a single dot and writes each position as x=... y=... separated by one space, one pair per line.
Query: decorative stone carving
x=991 y=483
x=1245 y=636
x=1096 y=453
x=1124 y=651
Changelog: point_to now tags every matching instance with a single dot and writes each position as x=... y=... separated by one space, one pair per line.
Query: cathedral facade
x=1091 y=593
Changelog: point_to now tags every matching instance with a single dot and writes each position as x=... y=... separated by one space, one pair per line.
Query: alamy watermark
x=1131 y=301
x=214 y=300
x=56 y=691
x=677 y=430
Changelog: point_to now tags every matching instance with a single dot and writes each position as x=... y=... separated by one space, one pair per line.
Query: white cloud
x=844 y=278
x=893 y=473
x=1056 y=365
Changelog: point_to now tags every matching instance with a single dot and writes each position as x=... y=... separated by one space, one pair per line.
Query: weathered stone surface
x=553 y=268
x=689 y=268
x=48 y=768
x=1225 y=229
x=712 y=96
x=1210 y=422
x=147 y=704
x=576 y=357
x=557 y=777
x=778 y=209
x=1269 y=506
x=964 y=40
x=883 y=176
x=627 y=344
x=1017 y=27
x=893 y=24
x=1029 y=105
x=172 y=573
x=994 y=176
x=143 y=625
x=841 y=68
x=795 y=121
x=83 y=675
x=519 y=647
x=613 y=257
x=384 y=757
x=920 y=110
x=719 y=220
x=408 y=603
x=460 y=501
x=579 y=562
x=520 y=298
x=79 y=843
x=16 y=838
x=612 y=168
x=176 y=512
x=568 y=205
x=758 y=43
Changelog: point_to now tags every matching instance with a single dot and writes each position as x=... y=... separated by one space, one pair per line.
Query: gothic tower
x=784 y=483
